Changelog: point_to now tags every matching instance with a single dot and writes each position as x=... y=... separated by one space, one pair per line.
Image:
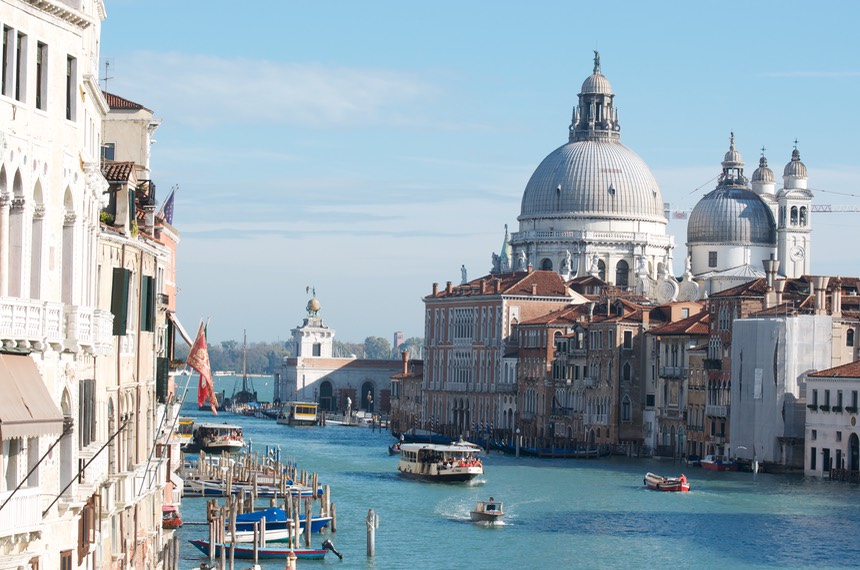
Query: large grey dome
x=731 y=215
x=593 y=179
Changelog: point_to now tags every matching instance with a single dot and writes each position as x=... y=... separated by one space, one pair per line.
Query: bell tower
x=794 y=221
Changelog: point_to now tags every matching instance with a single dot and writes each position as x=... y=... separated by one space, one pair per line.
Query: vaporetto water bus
x=435 y=462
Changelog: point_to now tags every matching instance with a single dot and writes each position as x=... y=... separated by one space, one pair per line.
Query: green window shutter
x=119 y=300
x=147 y=304
x=161 y=379
x=132 y=211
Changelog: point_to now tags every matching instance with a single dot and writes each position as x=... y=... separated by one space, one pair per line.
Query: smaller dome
x=795 y=167
x=596 y=83
x=314 y=305
x=731 y=215
x=763 y=174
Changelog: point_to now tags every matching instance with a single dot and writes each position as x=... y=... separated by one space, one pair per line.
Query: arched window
x=546 y=264
x=626 y=372
x=803 y=215
x=794 y=215
x=601 y=270
x=849 y=337
x=625 y=409
x=782 y=216
x=622 y=272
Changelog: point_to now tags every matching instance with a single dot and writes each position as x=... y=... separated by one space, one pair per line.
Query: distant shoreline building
x=336 y=384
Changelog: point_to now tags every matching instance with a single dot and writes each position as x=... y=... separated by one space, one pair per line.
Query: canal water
x=559 y=513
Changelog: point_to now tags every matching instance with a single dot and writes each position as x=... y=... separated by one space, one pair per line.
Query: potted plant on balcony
x=851 y=409
x=836 y=409
x=824 y=407
x=813 y=407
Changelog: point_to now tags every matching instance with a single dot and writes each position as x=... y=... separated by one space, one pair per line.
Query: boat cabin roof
x=221 y=426
x=414 y=447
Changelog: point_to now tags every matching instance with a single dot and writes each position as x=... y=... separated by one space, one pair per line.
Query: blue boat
x=263 y=552
x=276 y=518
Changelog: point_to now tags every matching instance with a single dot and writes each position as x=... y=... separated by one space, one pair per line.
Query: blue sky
x=369 y=149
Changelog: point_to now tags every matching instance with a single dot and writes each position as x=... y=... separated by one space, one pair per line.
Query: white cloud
x=207 y=91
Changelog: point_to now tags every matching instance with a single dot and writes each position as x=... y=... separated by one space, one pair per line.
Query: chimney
x=819 y=284
x=405 y=356
x=530 y=268
x=449 y=288
x=770 y=268
x=836 y=299
x=534 y=288
x=498 y=286
x=590 y=311
x=779 y=285
x=435 y=289
x=646 y=319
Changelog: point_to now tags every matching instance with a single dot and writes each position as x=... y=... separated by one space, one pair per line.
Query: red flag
x=198 y=359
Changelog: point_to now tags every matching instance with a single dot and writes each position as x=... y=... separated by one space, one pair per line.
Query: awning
x=180 y=328
x=26 y=407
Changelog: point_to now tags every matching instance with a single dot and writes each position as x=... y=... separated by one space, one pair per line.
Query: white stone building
x=82 y=332
x=832 y=433
x=314 y=374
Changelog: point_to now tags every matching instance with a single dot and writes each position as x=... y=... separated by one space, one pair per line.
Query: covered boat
x=263 y=552
x=717 y=463
x=661 y=483
x=217 y=438
x=447 y=463
x=277 y=518
x=487 y=511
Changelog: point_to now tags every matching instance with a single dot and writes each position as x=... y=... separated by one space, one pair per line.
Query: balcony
x=506 y=388
x=718 y=411
x=713 y=364
x=588 y=381
x=672 y=413
x=673 y=372
x=22 y=513
x=562 y=412
x=28 y=323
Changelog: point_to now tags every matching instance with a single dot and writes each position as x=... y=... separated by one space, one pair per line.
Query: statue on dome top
x=596 y=61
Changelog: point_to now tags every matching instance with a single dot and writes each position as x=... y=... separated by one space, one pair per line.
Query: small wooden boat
x=276 y=518
x=394 y=449
x=717 y=463
x=660 y=483
x=487 y=511
x=170 y=517
x=246 y=551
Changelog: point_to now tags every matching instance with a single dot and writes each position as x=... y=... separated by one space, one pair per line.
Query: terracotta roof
x=117 y=171
x=115 y=102
x=754 y=288
x=567 y=316
x=693 y=325
x=545 y=283
x=850 y=370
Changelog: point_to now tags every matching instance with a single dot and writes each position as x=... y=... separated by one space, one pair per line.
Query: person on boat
x=683 y=478
x=491 y=505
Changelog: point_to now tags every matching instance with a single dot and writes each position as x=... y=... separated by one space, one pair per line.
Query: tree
x=377 y=348
x=415 y=346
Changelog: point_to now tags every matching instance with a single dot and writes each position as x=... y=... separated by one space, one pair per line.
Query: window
x=685 y=313
x=854 y=400
x=41 y=76
x=649 y=400
x=625 y=410
x=794 y=215
x=628 y=339
x=108 y=152
x=827 y=397
x=838 y=436
x=21 y=67
x=622 y=272
x=119 y=300
x=8 y=62
x=849 y=337
x=87 y=411
x=803 y=215
x=813 y=455
x=712 y=259
x=814 y=435
x=601 y=270
x=815 y=397
x=839 y=398
x=66 y=560
x=71 y=87
x=317 y=349
x=626 y=372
